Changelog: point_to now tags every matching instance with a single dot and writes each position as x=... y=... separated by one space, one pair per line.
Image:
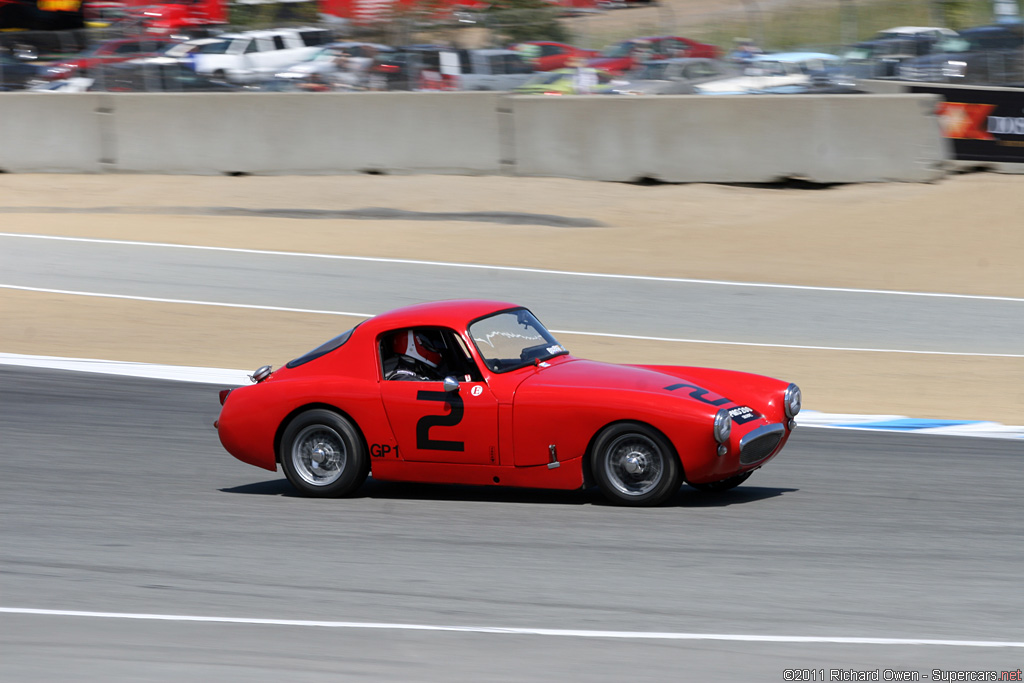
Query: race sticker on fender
x=744 y=414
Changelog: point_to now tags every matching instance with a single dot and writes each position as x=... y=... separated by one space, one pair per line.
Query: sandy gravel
x=962 y=235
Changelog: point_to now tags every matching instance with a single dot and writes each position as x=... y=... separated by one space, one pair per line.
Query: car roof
x=456 y=313
x=910 y=30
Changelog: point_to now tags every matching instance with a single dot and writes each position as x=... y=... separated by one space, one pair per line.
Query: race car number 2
x=423 y=426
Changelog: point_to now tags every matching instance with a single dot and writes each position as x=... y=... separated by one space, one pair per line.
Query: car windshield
x=764 y=67
x=858 y=53
x=328 y=54
x=954 y=44
x=513 y=339
x=218 y=48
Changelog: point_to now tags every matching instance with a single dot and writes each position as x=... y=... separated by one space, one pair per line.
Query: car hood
x=589 y=374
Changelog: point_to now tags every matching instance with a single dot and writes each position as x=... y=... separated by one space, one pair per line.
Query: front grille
x=759 y=444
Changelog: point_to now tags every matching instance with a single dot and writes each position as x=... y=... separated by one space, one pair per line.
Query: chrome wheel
x=634 y=464
x=323 y=454
x=319 y=455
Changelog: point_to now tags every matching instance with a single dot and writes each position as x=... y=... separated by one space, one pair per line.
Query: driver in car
x=418 y=356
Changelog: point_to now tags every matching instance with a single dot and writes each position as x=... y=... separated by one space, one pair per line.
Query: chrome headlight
x=723 y=425
x=792 y=400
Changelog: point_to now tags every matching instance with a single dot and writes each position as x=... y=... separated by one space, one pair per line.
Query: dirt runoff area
x=962 y=235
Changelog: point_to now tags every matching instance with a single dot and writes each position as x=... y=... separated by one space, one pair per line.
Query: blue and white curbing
x=900 y=423
x=808 y=418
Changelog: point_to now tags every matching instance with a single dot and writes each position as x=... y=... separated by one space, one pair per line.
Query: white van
x=249 y=55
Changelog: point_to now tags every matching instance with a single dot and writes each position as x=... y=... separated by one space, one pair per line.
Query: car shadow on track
x=386 y=490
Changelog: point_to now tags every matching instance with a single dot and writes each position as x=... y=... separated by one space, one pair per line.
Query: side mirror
x=451 y=385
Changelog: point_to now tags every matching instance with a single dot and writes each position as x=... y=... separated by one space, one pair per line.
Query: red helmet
x=416 y=345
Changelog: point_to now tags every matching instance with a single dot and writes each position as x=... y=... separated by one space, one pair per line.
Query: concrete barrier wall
x=301 y=133
x=675 y=139
x=751 y=139
x=48 y=132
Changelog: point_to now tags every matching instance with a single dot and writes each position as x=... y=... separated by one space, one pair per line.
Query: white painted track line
x=544 y=271
x=678 y=340
x=513 y=631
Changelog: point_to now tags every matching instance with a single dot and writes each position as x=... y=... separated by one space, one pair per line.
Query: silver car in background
x=678 y=76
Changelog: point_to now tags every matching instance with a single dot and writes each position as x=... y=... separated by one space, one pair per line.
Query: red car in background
x=627 y=54
x=546 y=55
x=107 y=52
x=480 y=393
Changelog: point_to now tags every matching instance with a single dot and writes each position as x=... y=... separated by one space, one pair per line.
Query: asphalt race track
x=729 y=312
x=117 y=498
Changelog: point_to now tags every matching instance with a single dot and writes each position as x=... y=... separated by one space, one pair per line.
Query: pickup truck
x=490 y=69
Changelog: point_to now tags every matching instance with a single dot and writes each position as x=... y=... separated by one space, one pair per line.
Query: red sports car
x=480 y=393
x=628 y=54
x=545 y=55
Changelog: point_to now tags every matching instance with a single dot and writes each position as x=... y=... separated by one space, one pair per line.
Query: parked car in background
x=16 y=74
x=628 y=54
x=934 y=32
x=251 y=55
x=984 y=55
x=674 y=76
x=349 y=63
x=157 y=74
x=488 y=69
x=567 y=82
x=881 y=57
x=545 y=55
x=106 y=52
x=779 y=73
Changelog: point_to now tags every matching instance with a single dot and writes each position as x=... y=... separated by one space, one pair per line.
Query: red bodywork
x=510 y=421
x=627 y=54
x=161 y=17
x=368 y=12
x=547 y=55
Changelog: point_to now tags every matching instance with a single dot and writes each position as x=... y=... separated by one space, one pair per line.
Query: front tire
x=323 y=455
x=635 y=465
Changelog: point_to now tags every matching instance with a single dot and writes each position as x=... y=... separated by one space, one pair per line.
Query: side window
x=251 y=47
x=516 y=65
x=550 y=50
x=426 y=354
x=313 y=38
x=278 y=42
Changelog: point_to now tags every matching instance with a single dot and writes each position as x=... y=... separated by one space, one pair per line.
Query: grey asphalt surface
x=634 y=307
x=116 y=496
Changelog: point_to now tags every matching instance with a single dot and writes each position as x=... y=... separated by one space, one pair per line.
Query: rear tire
x=323 y=455
x=635 y=465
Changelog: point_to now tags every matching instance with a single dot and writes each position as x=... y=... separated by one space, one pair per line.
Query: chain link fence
x=773 y=25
